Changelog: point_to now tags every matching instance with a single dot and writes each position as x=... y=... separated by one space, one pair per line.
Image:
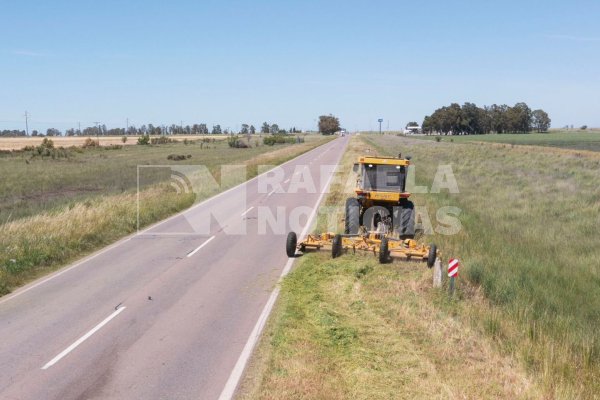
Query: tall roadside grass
x=529 y=243
x=351 y=328
x=41 y=242
x=35 y=245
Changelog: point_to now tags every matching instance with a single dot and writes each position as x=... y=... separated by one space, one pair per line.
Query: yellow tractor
x=380 y=219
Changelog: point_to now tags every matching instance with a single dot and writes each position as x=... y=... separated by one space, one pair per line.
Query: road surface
x=167 y=313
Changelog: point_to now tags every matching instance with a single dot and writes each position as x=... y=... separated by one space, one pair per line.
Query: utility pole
x=79 y=128
x=26 y=123
x=127 y=126
x=380 y=120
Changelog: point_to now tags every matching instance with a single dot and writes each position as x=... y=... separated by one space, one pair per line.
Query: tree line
x=469 y=119
x=195 y=129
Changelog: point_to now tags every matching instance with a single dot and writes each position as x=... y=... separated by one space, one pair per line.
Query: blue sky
x=231 y=62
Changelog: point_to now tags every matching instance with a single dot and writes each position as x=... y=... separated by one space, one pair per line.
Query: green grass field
x=576 y=140
x=526 y=323
x=53 y=211
x=33 y=185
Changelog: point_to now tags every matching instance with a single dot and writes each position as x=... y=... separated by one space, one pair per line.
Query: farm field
x=53 y=210
x=525 y=323
x=17 y=143
x=576 y=140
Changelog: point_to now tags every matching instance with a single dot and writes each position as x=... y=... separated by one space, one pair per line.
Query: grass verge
x=352 y=328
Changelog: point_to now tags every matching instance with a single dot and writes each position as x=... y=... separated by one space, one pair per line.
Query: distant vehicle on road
x=412 y=129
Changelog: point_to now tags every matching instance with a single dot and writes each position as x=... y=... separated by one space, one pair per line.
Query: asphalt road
x=165 y=313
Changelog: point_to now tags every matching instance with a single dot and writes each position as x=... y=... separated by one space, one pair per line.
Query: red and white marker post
x=453 y=265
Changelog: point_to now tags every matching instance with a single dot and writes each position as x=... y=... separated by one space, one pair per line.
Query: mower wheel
x=432 y=255
x=290 y=244
x=336 y=246
x=384 y=253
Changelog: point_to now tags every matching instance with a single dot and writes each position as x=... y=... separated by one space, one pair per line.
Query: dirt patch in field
x=17 y=143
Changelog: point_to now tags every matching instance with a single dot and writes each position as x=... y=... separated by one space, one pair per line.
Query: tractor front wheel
x=404 y=219
x=352 y=222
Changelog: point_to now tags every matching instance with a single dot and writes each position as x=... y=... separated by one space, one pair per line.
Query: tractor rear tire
x=290 y=244
x=384 y=252
x=404 y=219
x=352 y=222
x=432 y=255
x=336 y=246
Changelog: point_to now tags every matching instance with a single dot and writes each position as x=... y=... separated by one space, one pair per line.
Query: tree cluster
x=195 y=129
x=469 y=119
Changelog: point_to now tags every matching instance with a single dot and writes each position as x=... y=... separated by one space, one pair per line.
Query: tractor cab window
x=384 y=178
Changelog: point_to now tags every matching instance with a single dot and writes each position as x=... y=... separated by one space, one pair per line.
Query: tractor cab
x=382 y=174
x=381 y=197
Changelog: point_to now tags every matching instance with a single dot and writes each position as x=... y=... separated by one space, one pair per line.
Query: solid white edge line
x=82 y=339
x=247 y=211
x=34 y=284
x=271 y=192
x=201 y=246
x=238 y=370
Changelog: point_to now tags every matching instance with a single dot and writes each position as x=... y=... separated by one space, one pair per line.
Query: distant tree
x=245 y=129
x=216 y=130
x=583 y=127
x=427 y=125
x=519 y=118
x=541 y=120
x=265 y=128
x=52 y=132
x=35 y=133
x=203 y=129
x=252 y=130
x=497 y=117
x=328 y=124
x=411 y=123
x=274 y=129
